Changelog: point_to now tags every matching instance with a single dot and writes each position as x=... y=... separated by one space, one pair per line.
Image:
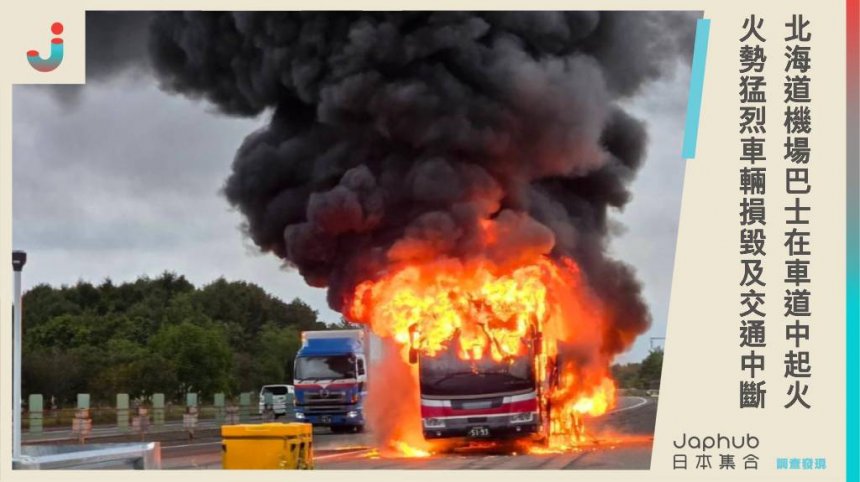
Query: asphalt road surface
x=621 y=439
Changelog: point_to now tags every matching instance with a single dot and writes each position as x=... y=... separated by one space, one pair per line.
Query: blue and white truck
x=330 y=379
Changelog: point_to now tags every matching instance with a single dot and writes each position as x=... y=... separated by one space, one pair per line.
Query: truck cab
x=331 y=378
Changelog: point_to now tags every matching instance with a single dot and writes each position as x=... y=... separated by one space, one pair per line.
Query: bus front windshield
x=446 y=374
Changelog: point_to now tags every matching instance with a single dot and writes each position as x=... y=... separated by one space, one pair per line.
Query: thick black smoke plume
x=395 y=135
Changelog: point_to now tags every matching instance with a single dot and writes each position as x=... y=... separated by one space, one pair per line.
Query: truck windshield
x=325 y=367
x=446 y=374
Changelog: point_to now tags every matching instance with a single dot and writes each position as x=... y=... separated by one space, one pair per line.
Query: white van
x=279 y=398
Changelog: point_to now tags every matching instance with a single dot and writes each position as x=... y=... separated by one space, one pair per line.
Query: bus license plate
x=479 y=432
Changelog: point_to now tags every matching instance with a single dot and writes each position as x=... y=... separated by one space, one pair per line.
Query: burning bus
x=494 y=348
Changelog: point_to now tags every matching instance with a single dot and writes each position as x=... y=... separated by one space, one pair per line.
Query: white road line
x=642 y=401
x=340 y=454
x=189 y=445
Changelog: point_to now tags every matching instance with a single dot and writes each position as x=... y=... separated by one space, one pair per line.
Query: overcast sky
x=125 y=181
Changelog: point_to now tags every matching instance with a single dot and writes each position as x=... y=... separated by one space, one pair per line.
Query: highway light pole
x=19 y=258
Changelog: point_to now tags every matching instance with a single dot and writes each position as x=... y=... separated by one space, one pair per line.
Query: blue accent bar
x=697 y=79
x=852 y=290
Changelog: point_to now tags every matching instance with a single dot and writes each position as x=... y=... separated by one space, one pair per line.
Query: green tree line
x=158 y=335
x=644 y=374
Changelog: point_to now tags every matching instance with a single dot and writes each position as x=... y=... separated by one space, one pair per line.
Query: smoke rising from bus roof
x=396 y=136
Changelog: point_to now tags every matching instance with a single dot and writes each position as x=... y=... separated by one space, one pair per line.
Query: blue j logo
x=53 y=60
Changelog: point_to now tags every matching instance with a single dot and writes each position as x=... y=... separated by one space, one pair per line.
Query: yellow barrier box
x=267 y=446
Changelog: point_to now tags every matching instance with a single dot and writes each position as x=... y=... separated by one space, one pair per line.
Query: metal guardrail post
x=158 y=409
x=290 y=412
x=268 y=406
x=232 y=417
x=36 y=412
x=122 y=412
x=244 y=407
x=82 y=424
x=189 y=419
x=140 y=423
x=219 y=408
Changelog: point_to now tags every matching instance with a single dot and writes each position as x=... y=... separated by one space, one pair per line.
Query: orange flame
x=408 y=451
